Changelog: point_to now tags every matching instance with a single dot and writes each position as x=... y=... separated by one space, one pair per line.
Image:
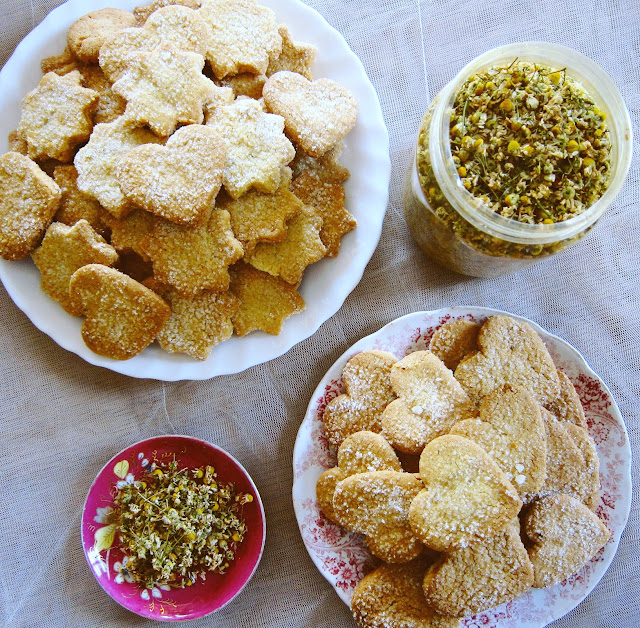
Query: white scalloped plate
x=342 y=557
x=326 y=284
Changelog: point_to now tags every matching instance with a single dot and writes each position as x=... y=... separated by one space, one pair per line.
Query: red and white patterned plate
x=342 y=557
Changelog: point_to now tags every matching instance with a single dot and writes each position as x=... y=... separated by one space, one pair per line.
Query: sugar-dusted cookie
x=567 y=407
x=178 y=181
x=193 y=259
x=257 y=148
x=265 y=301
x=28 y=200
x=510 y=352
x=76 y=205
x=143 y=12
x=590 y=496
x=562 y=535
x=128 y=233
x=87 y=34
x=260 y=216
x=17 y=144
x=367 y=384
x=376 y=504
x=510 y=429
x=296 y=56
x=328 y=200
x=197 y=323
x=165 y=87
x=483 y=575
x=110 y=105
x=454 y=340
x=122 y=317
x=57 y=116
x=98 y=160
x=63 y=250
x=290 y=257
x=467 y=496
x=429 y=402
x=177 y=26
x=326 y=168
x=245 y=84
x=391 y=596
x=61 y=64
x=317 y=114
x=243 y=36
x=567 y=470
x=359 y=453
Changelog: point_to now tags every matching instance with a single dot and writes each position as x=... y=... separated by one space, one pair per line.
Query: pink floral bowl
x=107 y=561
x=343 y=558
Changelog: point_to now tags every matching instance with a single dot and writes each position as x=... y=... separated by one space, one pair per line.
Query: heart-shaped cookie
x=178 y=181
x=429 y=402
x=467 y=496
x=562 y=536
x=480 y=576
x=392 y=596
x=317 y=114
x=122 y=317
x=510 y=352
x=511 y=430
x=368 y=390
x=376 y=504
x=359 y=453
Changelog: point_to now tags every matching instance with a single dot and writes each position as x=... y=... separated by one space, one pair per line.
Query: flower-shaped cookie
x=28 y=200
x=56 y=116
x=429 y=402
x=64 y=250
x=243 y=36
x=97 y=162
x=164 y=88
x=257 y=148
x=178 y=181
x=193 y=259
x=366 y=379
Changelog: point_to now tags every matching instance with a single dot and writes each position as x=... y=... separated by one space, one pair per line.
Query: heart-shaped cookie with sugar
x=510 y=352
x=562 y=535
x=481 y=576
x=511 y=430
x=359 y=453
x=367 y=391
x=429 y=402
x=122 y=317
x=391 y=595
x=178 y=181
x=467 y=497
x=317 y=114
x=376 y=504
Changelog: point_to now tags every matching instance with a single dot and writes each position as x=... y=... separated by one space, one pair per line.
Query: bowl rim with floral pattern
x=107 y=562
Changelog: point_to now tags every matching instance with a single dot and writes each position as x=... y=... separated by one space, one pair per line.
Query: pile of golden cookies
x=468 y=469
x=175 y=172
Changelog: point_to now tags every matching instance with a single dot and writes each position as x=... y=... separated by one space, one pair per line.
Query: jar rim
x=596 y=83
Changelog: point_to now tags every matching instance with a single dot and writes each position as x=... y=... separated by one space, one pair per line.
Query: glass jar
x=462 y=232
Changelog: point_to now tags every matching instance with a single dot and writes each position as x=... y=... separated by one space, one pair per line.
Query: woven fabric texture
x=62 y=419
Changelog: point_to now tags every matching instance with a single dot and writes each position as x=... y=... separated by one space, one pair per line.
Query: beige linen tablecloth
x=62 y=419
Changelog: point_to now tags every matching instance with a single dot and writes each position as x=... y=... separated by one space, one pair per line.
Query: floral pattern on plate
x=343 y=558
